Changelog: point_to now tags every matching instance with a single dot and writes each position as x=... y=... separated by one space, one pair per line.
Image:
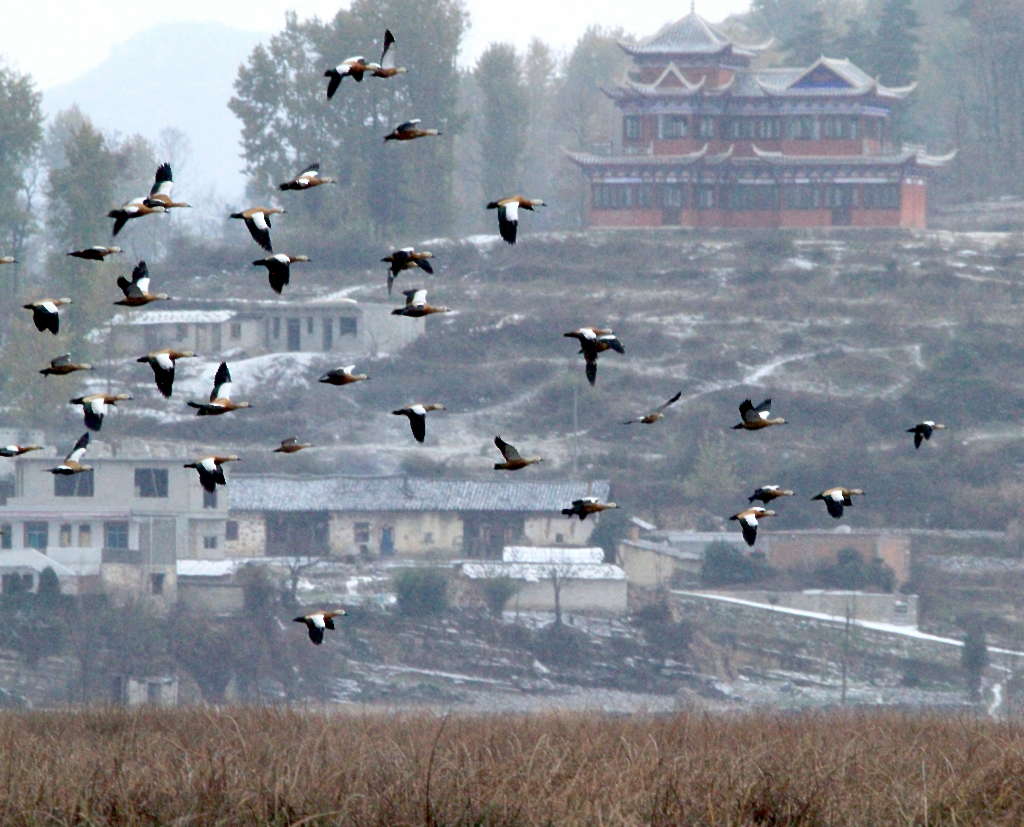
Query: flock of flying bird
x=593 y=341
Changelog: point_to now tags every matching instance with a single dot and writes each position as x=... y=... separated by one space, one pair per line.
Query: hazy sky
x=55 y=40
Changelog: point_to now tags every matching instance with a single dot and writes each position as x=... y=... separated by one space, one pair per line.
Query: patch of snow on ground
x=801 y=263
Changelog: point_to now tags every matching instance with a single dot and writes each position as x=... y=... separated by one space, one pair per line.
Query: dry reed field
x=286 y=767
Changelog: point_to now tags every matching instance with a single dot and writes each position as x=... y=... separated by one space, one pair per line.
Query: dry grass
x=258 y=766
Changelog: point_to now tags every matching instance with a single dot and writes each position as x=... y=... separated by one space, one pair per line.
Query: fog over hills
x=175 y=75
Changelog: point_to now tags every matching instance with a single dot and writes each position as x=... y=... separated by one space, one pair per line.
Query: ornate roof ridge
x=691 y=35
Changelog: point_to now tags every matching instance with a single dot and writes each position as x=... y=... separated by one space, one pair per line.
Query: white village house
x=253 y=328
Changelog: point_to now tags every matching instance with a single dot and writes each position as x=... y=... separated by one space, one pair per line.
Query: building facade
x=708 y=140
x=341 y=326
x=372 y=517
x=119 y=528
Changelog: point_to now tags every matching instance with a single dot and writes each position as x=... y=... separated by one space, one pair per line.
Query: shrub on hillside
x=726 y=565
x=851 y=572
x=421 y=592
x=497 y=591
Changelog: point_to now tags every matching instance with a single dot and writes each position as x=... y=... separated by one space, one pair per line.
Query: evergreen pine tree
x=505 y=118
x=894 y=53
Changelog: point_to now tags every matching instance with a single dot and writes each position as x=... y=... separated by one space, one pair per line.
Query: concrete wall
x=809 y=550
x=556 y=529
x=126 y=582
x=210 y=595
x=651 y=569
x=898 y=609
x=592 y=596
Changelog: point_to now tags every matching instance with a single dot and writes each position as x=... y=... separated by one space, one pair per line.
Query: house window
x=706 y=127
x=673 y=126
x=348 y=326
x=672 y=195
x=838 y=195
x=328 y=333
x=361 y=532
x=275 y=326
x=65 y=535
x=5 y=535
x=309 y=325
x=706 y=197
x=803 y=128
x=428 y=538
x=881 y=196
x=150 y=482
x=559 y=538
x=632 y=127
x=84 y=535
x=210 y=541
x=236 y=330
x=37 y=536
x=231 y=530
x=768 y=128
x=73 y=485
x=181 y=331
x=801 y=196
x=156 y=583
x=752 y=197
x=209 y=499
x=839 y=127
x=115 y=534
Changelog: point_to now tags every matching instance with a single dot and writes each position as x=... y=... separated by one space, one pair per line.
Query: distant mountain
x=175 y=75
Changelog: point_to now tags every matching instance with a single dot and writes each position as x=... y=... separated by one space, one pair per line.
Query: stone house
x=254 y=328
x=117 y=529
x=659 y=558
x=400 y=516
x=584 y=582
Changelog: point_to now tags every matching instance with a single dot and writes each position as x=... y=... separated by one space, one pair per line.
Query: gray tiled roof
x=693 y=35
x=283 y=493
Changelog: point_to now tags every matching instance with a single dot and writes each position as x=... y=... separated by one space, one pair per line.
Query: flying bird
x=279 y=268
x=160 y=193
x=657 y=414
x=307 y=179
x=508 y=213
x=409 y=131
x=46 y=313
x=767 y=493
x=316 y=622
x=417 y=414
x=136 y=290
x=406 y=259
x=95 y=253
x=8 y=260
x=73 y=461
x=136 y=208
x=748 y=519
x=343 y=376
x=17 y=450
x=924 y=430
x=257 y=221
x=162 y=362
x=211 y=470
x=62 y=365
x=385 y=67
x=291 y=446
x=594 y=341
x=220 y=397
x=754 y=418
x=513 y=460
x=416 y=305
x=836 y=498
x=94 y=407
x=352 y=67
x=585 y=506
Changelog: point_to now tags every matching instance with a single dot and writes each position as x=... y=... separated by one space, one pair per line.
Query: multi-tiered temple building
x=709 y=141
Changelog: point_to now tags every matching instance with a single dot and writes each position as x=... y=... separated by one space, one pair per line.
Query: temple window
x=673 y=126
x=632 y=127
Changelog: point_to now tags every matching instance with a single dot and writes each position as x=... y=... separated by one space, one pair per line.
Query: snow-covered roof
x=174 y=317
x=536 y=572
x=208 y=568
x=546 y=554
x=398 y=493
